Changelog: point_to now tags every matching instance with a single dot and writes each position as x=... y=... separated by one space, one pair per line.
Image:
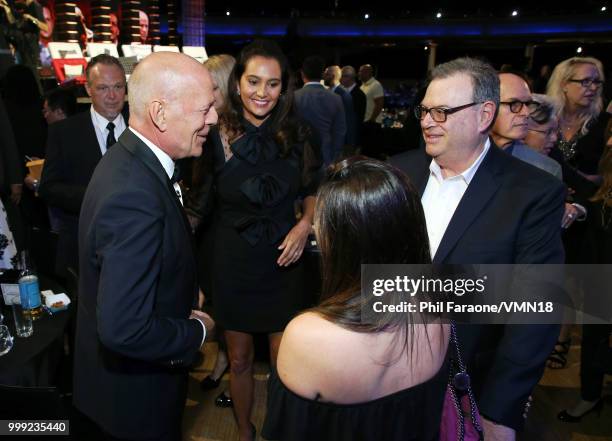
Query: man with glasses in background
x=482 y=206
x=74 y=148
x=512 y=127
x=512 y=122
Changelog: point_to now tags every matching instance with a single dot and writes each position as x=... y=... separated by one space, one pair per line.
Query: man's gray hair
x=349 y=70
x=485 y=81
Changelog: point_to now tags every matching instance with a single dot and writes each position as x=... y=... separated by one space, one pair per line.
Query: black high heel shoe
x=223 y=400
x=567 y=418
x=210 y=384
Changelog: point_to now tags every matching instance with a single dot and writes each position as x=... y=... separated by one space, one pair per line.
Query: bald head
x=171 y=102
x=365 y=72
x=161 y=76
x=331 y=76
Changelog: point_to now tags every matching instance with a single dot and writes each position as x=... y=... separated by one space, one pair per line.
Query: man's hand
x=16 y=190
x=571 y=214
x=209 y=323
x=497 y=432
x=31 y=182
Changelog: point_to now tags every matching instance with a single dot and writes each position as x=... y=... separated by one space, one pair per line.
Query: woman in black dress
x=344 y=374
x=596 y=354
x=263 y=162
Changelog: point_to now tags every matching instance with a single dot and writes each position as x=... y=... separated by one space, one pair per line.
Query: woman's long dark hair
x=282 y=124
x=367 y=212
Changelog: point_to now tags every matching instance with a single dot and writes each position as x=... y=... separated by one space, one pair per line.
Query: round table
x=34 y=360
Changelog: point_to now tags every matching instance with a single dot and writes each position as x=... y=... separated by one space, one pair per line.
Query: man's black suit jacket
x=72 y=155
x=510 y=213
x=359 y=103
x=137 y=287
x=73 y=152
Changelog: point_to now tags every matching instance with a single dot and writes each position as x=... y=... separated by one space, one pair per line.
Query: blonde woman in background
x=198 y=207
x=577 y=84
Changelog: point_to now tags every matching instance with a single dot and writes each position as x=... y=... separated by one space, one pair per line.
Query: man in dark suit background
x=348 y=81
x=74 y=147
x=322 y=109
x=482 y=206
x=331 y=78
x=136 y=331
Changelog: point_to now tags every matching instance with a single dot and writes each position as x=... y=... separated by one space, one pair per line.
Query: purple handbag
x=460 y=418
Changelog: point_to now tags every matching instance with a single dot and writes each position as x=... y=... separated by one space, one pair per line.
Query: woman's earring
x=238 y=92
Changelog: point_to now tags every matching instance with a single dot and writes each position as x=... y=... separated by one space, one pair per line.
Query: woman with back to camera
x=342 y=376
x=262 y=161
x=199 y=205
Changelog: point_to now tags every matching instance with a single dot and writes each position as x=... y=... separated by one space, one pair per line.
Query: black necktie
x=174 y=180
x=176 y=175
x=110 y=139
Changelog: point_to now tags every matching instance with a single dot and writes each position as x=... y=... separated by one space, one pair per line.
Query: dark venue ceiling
x=396 y=36
x=402 y=9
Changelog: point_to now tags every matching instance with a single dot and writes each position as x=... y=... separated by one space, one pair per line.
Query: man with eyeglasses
x=483 y=206
x=512 y=122
x=512 y=127
x=74 y=148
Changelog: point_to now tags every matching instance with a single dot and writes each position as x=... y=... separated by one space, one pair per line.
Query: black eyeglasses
x=587 y=82
x=516 y=106
x=439 y=114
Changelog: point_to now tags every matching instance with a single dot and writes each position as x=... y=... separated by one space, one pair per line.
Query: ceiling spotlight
x=228 y=13
x=514 y=13
x=366 y=16
x=426 y=47
x=603 y=9
x=439 y=15
x=579 y=50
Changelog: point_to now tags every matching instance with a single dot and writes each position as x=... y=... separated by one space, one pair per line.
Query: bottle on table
x=29 y=291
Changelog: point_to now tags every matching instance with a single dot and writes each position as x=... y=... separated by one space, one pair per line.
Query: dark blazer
x=137 y=287
x=510 y=213
x=349 y=113
x=72 y=155
x=324 y=111
x=10 y=163
x=359 y=102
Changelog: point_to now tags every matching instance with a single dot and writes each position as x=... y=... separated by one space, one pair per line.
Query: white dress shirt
x=100 y=124
x=168 y=165
x=442 y=196
x=166 y=161
x=350 y=88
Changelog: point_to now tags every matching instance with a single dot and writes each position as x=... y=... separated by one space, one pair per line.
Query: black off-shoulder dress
x=253 y=210
x=406 y=415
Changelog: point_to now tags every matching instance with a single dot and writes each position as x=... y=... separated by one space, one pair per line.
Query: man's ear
x=487 y=116
x=87 y=89
x=157 y=113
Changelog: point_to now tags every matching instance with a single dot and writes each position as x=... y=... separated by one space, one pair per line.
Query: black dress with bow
x=254 y=194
